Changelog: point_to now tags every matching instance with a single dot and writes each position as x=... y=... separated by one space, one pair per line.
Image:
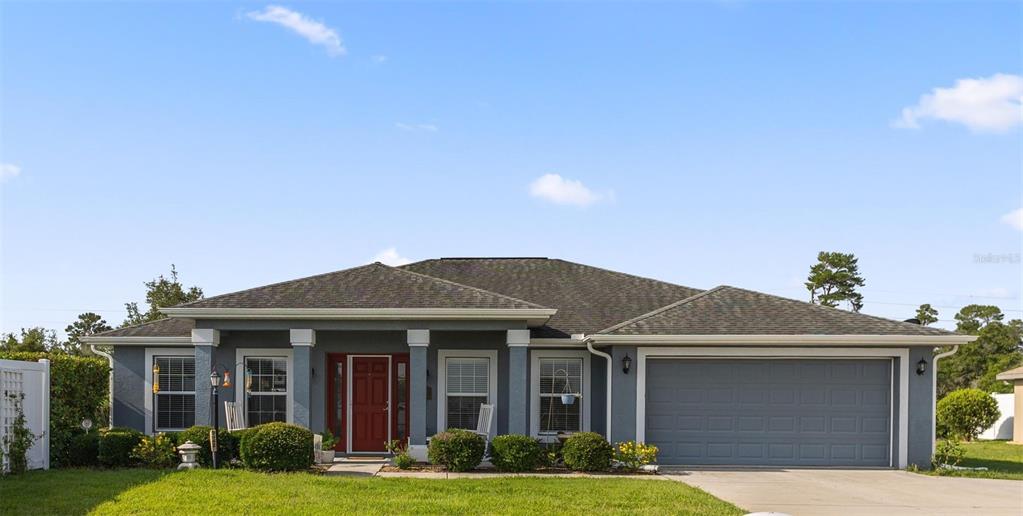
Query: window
x=557 y=376
x=468 y=387
x=175 y=400
x=266 y=399
x=560 y=377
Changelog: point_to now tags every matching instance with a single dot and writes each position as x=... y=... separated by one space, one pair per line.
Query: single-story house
x=724 y=376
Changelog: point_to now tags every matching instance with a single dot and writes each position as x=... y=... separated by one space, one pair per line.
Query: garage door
x=777 y=412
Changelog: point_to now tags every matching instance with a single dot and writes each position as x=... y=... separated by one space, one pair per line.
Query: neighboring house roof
x=370 y=286
x=728 y=310
x=587 y=298
x=176 y=327
x=1011 y=374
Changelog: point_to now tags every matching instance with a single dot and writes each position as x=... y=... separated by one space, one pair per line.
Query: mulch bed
x=421 y=467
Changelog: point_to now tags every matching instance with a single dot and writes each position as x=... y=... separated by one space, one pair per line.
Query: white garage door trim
x=778 y=353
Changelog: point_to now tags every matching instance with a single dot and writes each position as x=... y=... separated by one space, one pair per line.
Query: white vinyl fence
x=31 y=379
x=1002 y=429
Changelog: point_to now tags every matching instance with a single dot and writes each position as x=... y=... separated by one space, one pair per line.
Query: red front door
x=370 y=407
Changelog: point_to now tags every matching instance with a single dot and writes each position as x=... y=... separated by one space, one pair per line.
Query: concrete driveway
x=808 y=492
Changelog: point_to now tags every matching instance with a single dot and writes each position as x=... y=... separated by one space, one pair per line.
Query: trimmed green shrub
x=155 y=452
x=83 y=450
x=277 y=447
x=949 y=452
x=457 y=450
x=115 y=446
x=78 y=390
x=515 y=453
x=587 y=451
x=965 y=413
x=404 y=461
x=200 y=434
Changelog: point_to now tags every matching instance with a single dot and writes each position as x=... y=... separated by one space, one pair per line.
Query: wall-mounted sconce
x=921 y=367
x=626 y=363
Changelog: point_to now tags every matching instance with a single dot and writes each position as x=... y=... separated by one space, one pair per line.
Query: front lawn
x=1003 y=460
x=139 y=491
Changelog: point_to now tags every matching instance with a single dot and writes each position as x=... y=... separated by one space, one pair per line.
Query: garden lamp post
x=215 y=383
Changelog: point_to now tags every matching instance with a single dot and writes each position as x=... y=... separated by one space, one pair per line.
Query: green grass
x=1003 y=460
x=243 y=492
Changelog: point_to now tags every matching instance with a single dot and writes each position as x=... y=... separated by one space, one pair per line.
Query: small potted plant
x=326 y=455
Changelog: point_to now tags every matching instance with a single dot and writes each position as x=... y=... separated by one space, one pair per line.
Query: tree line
x=161 y=292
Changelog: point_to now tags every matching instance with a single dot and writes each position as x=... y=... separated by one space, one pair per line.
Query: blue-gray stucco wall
x=129 y=387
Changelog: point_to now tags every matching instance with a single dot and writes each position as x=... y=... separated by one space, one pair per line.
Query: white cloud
x=379 y=59
x=991 y=104
x=556 y=189
x=1014 y=218
x=430 y=128
x=390 y=257
x=313 y=31
x=9 y=171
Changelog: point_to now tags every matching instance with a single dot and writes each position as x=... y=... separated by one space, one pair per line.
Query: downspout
x=110 y=381
x=607 y=410
x=934 y=394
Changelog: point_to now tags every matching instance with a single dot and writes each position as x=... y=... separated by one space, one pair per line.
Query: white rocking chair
x=484 y=422
x=234 y=415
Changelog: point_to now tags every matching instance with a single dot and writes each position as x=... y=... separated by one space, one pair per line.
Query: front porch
x=371 y=385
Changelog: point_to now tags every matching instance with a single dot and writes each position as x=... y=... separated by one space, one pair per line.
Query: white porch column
x=418 y=342
x=205 y=341
x=302 y=340
x=518 y=382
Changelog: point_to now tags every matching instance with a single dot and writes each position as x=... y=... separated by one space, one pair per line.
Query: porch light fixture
x=156 y=377
x=215 y=434
x=921 y=367
x=626 y=363
x=227 y=379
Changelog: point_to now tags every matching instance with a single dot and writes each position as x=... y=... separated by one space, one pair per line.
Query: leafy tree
x=999 y=346
x=926 y=314
x=965 y=413
x=973 y=317
x=87 y=324
x=835 y=278
x=161 y=293
x=32 y=339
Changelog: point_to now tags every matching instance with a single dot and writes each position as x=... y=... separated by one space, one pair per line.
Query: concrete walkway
x=807 y=492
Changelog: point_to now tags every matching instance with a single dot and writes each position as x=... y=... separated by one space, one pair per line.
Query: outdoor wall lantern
x=921 y=367
x=626 y=363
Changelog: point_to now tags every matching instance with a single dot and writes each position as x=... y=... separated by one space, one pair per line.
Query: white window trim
x=442 y=381
x=781 y=353
x=239 y=386
x=534 y=383
x=148 y=407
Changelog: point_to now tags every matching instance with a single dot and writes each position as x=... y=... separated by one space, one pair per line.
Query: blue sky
x=699 y=143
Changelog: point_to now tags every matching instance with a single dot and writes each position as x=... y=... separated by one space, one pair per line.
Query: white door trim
x=779 y=353
x=442 y=381
x=348 y=400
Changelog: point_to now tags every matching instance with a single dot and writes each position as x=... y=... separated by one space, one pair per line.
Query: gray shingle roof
x=728 y=310
x=370 y=286
x=177 y=327
x=587 y=298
